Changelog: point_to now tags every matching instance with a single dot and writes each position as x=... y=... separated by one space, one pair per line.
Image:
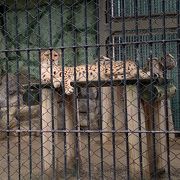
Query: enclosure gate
x=72 y=105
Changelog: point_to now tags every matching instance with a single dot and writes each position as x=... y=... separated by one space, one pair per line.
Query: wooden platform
x=146 y=149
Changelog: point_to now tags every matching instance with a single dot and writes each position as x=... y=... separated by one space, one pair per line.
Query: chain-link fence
x=89 y=89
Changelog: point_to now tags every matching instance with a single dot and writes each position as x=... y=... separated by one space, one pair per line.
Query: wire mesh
x=70 y=107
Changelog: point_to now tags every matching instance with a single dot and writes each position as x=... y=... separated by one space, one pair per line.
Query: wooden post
x=70 y=136
x=119 y=108
x=69 y=126
x=155 y=112
x=47 y=126
x=136 y=166
x=106 y=112
x=155 y=116
x=170 y=120
x=160 y=137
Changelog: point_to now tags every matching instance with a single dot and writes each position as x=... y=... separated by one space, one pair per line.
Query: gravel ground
x=19 y=156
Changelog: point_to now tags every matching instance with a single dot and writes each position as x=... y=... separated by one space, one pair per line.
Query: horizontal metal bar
x=37 y=85
x=93 y=46
x=119 y=82
x=86 y=131
x=104 y=83
x=158 y=15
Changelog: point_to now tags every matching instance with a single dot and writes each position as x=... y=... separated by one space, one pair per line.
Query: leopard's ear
x=59 y=52
x=42 y=50
x=44 y=55
x=170 y=61
x=169 y=56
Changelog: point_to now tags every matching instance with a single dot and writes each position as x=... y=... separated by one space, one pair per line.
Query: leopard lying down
x=92 y=69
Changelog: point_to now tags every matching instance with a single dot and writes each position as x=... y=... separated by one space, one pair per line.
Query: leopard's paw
x=157 y=75
x=148 y=74
x=56 y=84
x=45 y=77
x=144 y=75
x=69 y=90
x=45 y=80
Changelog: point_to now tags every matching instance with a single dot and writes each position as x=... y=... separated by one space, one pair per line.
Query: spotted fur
x=157 y=66
x=91 y=73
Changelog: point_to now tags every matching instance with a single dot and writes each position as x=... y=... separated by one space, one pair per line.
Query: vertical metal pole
x=18 y=91
x=40 y=90
x=29 y=84
x=137 y=56
x=112 y=123
x=165 y=88
x=7 y=91
x=53 y=105
x=75 y=101
x=178 y=53
x=125 y=88
x=87 y=88
x=151 y=87
x=63 y=93
x=100 y=91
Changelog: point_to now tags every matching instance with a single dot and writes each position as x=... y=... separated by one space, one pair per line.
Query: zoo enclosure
x=84 y=30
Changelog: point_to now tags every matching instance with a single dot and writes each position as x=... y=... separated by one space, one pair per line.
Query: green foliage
x=67 y=28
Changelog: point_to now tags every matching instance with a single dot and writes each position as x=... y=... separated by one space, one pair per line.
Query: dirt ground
x=23 y=160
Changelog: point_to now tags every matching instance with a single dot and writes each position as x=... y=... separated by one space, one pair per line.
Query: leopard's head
x=170 y=61
x=50 y=55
